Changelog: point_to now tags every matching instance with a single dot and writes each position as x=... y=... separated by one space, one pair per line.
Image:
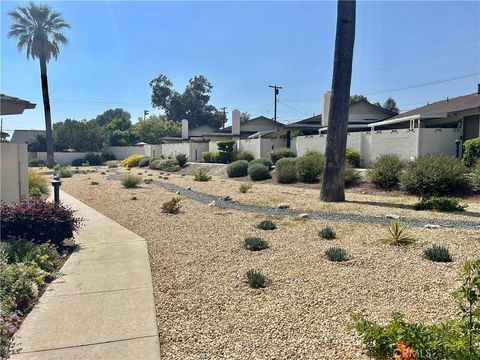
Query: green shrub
x=78 y=162
x=266 y=225
x=327 y=233
x=94 y=159
x=263 y=161
x=38 y=184
x=210 y=157
x=36 y=163
x=244 y=155
x=309 y=167
x=173 y=168
x=21 y=250
x=144 y=162
x=244 y=187
x=386 y=170
x=225 y=157
x=182 y=160
x=352 y=156
x=65 y=172
x=154 y=163
x=437 y=253
x=397 y=235
x=131 y=161
x=35 y=192
x=163 y=164
x=471 y=151
x=286 y=170
x=172 y=206
x=131 y=181
x=226 y=145
x=281 y=153
x=255 y=244
x=238 y=168
x=475 y=179
x=256 y=279
x=107 y=156
x=201 y=176
x=225 y=153
x=351 y=175
x=258 y=172
x=336 y=254
x=434 y=175
x=444 y=204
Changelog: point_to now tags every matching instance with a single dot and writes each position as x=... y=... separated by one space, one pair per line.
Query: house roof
x=374 y=106
x=229 y=128
x=10 y=105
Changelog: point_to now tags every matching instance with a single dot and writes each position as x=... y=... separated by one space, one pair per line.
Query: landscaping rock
x=303 y=216
x=392 y=216
x=213 y=203
x=189 y=188
x=283 y=206
x=133 y=198
x=226 y=198
x=147 y=181
x=177 y=192
x=431 y=226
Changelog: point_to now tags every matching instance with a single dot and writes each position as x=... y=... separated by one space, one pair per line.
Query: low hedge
x=264 y=161
x=309 y=167
x=244 y=155
x=36 y=163
x=258 y=172
x=210 y=156
x=280 y=153
x=238 y=168
x=144 y=161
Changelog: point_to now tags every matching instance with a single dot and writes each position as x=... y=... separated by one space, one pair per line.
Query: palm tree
x=38 y=28
x=333 y=183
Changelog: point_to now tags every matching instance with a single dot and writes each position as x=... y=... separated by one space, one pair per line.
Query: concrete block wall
x=14 y=172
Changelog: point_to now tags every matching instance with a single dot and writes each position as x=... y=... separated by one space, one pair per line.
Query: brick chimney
x=184 y=129
x=235 y=122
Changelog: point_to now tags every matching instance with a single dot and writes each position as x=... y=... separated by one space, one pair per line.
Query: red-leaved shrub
x=38 y=221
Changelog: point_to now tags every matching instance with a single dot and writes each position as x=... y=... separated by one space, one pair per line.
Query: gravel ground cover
x=206 y=310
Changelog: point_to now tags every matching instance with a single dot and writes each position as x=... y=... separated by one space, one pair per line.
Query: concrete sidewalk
x=102 y=305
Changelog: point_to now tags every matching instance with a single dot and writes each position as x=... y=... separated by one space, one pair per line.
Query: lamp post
x=56 y=183
x=457 y=143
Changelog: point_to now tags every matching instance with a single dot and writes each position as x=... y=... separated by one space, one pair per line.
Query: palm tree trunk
x=46 y=110
x=333 y=182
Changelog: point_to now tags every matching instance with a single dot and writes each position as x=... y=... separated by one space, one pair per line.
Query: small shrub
x=163 y=164
x=435 y=175
x=36 y=163
x=255 y=244
x=309 y=167
x=154 y=163
x=475 y=178
x=182 y=160
x=286 y=170
x=107 y=156
x=65 y=172
x=37 y=183
x=258 y=172
x=144 y=162
x=471 y=151
x=201 y=176
x=336 y=254
x=444 y=204
x=210 y=157
x=244 y=155
x=266 y=225
x=35 y=192
x=131 y=161
x=244 y=187
x=352 y=156
x=93 y=182
x=225 y=157
x=386 y=170
x=172 y=206
x=397 y=235
x=351 y=175
x=130 y=181
x=94 y=159
x=112 y=164
x=266 y=162
x=256 y=279
x=174 y=168
x=437 y=253
x=281 y=153
x=238 y=168
x=327 y=233
x=78 y=162
x=39 y=221
x=21 y=250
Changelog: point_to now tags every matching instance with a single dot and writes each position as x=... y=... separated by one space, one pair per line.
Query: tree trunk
x=333 y=181
x=46 y=110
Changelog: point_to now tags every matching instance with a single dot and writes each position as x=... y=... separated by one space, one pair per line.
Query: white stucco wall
x=170 y=150
x=122 y=152
x=438 y=141
x=62 y=158
x=400 y=141
x=268 y=145
x=196 y=150
x=250 y=145
x=14 y=176
x=153 y=150
x=310 y=142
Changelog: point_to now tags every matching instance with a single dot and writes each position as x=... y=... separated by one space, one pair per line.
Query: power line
x=276 y=91
x=292 y=108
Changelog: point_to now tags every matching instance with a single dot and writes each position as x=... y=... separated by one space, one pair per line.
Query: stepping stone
x=283 y=206
x=431 y=226
x=303 y=216
x=392 y=216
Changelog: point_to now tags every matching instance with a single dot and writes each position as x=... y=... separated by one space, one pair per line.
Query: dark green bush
x=435 y=175
x=258 y=172
x=173 y=168
x=182 y=159
x=256 y=279
x=386 y=170
x=244 y=155
x=443 y=203
x=78 y=162
x=327 y=233
x=336 y=254
x=238 y=168
x=281 y=153
x=263 y=161
x=352 y=156
x=210 y=157
x=309 y=167
x=286 y=170
x=471 y=151
x=163 y=164
x=351 y=175
x=266 y=225
x=107 y=156
x=225 y=157
x=226 y=145
x=255 y=244
x=94 y=159
x=130 y=181
x=201 y=176
x=475 y=179
x=437 y=253
x=144 y=161
x=36 y=163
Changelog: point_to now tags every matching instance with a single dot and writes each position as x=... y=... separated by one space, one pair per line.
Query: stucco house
x=26 y=136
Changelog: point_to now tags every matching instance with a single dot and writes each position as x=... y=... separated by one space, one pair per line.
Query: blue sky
x=116 y=48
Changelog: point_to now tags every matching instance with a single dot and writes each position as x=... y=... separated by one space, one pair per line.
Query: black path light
x=56 y=183
x=457 y=143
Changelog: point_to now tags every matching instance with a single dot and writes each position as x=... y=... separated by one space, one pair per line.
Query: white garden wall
x=438 y=141
x=196 y=150
x=269 y=144
x=250 y=145
x=14 y=176
x=62 y=158
x=153 y=150
x=122 y=152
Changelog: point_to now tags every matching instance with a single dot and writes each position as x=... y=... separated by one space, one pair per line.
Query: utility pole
x=224 y=116
x=145 y=113
x=276 y=92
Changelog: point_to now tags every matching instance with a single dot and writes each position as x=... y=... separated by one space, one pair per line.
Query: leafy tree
x=192 y=104
x=113 y=114
x=333 y=182
x=38 y=28
x=245 y=116
x=80 y=136
x=354 y=99
x=155 y=127
x=390 y=104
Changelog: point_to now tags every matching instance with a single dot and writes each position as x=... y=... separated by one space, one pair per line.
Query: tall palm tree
x=333 y=183
x=38 y=29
